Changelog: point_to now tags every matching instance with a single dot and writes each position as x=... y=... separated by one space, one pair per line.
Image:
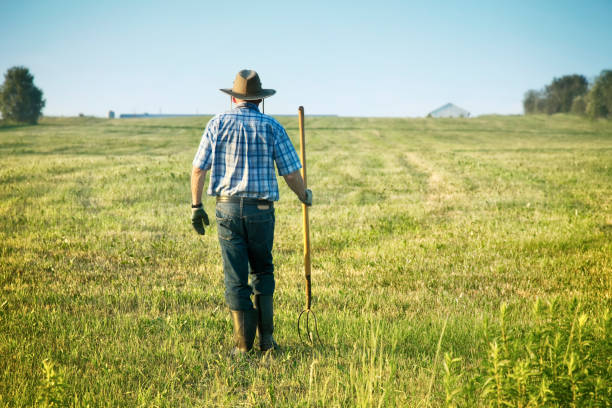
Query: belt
x=243 y=200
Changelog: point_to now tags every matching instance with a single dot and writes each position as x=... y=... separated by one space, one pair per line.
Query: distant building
x=449 y=111
x=111 y=114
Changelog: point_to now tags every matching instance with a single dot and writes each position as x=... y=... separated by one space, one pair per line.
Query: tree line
x=573 y=94
x=22 y=101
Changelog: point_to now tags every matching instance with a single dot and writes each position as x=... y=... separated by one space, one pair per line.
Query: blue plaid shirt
x=240 y=148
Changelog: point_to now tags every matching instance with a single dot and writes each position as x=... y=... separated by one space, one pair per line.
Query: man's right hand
x=199 y=218
x=307 y=199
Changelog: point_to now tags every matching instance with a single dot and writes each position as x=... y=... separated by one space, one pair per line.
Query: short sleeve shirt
x=240 y=148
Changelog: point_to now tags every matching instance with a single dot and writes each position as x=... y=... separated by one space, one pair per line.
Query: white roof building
x=449 y=111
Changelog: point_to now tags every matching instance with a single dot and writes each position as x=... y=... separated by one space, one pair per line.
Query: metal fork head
x=307 y=328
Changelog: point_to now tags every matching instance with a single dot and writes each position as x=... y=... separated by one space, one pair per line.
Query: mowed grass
x=455 y=262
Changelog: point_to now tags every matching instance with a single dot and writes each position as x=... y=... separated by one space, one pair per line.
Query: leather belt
x=243 y=200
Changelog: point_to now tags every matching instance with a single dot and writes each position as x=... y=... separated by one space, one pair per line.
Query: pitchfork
x=312 y=332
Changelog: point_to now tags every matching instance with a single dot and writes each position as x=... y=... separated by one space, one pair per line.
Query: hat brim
x=264 y=93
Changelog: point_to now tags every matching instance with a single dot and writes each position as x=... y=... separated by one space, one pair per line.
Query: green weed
x=564 y=358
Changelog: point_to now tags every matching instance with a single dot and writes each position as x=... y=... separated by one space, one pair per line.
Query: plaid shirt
x=241 y=147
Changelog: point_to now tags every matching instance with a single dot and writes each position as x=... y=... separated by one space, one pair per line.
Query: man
x=240 y=148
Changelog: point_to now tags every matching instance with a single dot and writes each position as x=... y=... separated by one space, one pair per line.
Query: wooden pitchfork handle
x=305 y=211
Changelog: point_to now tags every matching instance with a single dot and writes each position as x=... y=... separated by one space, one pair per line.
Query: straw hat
x=247 y=86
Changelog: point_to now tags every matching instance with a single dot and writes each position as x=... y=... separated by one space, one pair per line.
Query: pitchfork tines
x=307 y=321
x=308 y=332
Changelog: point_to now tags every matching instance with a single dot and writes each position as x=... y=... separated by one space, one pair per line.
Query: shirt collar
x=247 y=105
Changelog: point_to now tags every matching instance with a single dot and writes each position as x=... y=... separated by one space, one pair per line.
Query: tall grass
x=562 y=359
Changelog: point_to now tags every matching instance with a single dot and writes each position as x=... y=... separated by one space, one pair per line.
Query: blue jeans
x=246 y=236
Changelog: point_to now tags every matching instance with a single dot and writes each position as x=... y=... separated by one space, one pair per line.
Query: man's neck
x=247 y=104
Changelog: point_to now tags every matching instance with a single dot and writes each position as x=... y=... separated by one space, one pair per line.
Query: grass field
x=455 y=263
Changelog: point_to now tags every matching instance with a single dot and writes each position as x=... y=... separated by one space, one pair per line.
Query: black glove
x=308 y=199
x=199 y=218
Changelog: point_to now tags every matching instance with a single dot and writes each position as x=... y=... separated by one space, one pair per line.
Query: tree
x=560 y=94
x=20 y=99
x=599 y=100
x=530 y=101
x=579 y=105
x=535 y=102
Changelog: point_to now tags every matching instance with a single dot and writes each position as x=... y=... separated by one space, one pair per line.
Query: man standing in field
x=240 y=148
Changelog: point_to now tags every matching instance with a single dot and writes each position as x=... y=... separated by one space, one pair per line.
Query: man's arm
x=296 y=184
x=198 y=177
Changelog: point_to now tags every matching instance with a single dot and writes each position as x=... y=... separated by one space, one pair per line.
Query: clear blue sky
x=352 y=58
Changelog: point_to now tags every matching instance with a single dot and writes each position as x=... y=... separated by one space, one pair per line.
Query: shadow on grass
x=5 y=126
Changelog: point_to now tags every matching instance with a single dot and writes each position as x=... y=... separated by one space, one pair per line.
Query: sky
x=350 y=58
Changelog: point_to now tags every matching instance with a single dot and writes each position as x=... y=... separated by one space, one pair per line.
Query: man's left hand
x=199 y=218
x=307 y=198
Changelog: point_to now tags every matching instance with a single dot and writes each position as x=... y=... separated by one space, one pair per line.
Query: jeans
x=246 y=235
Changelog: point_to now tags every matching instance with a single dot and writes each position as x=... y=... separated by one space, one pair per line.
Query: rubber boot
x=245 y=326
x=265 y=322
